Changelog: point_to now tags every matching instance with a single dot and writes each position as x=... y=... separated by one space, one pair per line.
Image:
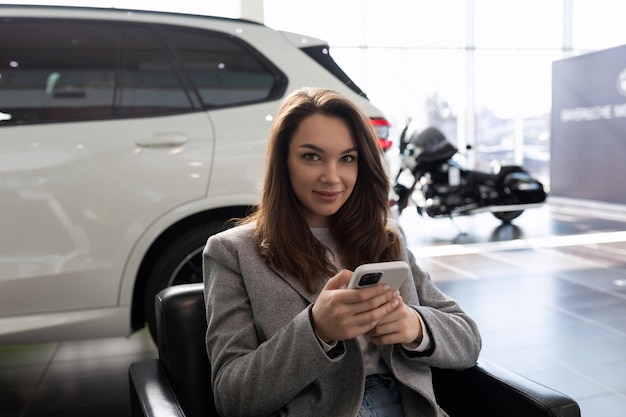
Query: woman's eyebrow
x=322 y=151
x=312 y=147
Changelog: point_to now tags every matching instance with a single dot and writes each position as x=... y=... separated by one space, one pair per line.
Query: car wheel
x=180 y=262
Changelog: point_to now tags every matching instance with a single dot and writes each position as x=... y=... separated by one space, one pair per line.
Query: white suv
x=126 y=139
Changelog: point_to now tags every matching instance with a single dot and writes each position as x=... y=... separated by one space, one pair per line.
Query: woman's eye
x=310 y=157
x=348 y=158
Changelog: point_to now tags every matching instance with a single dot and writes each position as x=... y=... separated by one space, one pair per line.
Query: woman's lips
x=327 y=195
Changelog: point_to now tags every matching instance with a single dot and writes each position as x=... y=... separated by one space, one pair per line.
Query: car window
x=225 y=71
x=62 y=70
x=321 y=55
x=149 y=83
x=72 y=70
x=55 y=70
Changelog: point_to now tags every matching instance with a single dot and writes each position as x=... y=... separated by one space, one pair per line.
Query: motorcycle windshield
x=441 y=153
x=433 y=145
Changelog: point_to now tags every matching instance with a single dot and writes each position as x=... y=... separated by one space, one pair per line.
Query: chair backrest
x=181 y=329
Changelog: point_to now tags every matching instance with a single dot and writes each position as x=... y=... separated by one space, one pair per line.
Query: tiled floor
x=549 y=294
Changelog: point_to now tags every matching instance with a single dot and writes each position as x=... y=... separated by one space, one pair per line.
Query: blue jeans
x=381 y=398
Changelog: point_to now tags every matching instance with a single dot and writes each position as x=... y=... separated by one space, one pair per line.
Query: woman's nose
x=331 y=173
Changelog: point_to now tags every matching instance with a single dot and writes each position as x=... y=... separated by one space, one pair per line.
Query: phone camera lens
x=370 y=279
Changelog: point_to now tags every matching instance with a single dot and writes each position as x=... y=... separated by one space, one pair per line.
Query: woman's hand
x=340 y=313
x=402 y=325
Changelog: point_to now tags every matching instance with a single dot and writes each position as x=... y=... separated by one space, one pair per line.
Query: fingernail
x=394 y=304
x=386 y=287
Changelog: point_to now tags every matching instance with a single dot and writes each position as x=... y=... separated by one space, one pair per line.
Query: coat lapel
x=297 y=286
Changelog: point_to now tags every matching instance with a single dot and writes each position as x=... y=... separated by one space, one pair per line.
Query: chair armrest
x=150 y=391
x=490 y=390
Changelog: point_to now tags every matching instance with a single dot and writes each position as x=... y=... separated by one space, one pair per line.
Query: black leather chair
x=178 y=382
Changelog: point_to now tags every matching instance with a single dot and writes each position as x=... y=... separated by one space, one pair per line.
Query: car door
x=99 y=136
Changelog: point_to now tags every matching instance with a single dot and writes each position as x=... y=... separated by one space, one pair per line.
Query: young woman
x=285 y=336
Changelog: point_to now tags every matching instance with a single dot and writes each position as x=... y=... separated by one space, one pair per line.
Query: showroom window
x=598 y=24
x=479 y=70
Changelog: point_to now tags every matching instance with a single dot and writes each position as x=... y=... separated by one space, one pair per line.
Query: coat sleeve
x=455 y=338
x=245 y=369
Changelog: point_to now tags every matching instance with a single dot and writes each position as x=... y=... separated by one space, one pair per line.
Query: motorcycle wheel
x=507 y=216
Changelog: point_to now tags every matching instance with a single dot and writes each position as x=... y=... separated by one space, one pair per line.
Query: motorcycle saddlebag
x=525 y=188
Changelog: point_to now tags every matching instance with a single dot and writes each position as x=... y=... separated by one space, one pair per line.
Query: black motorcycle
x=426 y=159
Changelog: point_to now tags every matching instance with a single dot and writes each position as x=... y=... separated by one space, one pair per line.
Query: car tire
x=180 y=262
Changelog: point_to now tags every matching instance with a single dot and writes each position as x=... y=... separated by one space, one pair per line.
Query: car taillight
x=382 y=131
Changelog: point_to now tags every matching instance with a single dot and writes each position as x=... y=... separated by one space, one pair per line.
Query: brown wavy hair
x=359 y=226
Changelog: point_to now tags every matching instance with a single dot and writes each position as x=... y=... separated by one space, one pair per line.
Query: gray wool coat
x=267 y=361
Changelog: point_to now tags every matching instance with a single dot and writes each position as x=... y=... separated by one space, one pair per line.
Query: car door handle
x=163 y=140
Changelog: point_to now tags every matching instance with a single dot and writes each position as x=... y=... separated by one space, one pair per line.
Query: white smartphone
x=391 y=273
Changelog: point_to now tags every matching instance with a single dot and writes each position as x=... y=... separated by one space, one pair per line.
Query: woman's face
x=323 y=167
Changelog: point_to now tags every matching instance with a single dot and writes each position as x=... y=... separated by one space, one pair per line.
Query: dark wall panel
x=588 y=155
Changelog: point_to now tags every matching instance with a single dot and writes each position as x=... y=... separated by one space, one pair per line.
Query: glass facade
x=480 y=70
